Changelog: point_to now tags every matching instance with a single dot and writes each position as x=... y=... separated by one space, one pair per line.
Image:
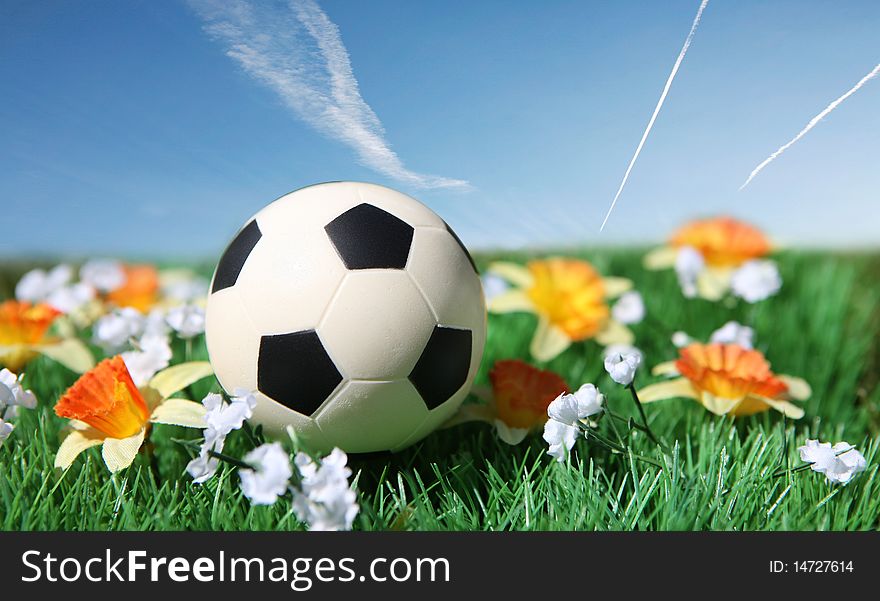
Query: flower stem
x=231 y=460
x=635 y=397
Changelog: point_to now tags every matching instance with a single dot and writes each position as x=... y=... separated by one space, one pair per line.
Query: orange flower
x=140 y=290
x=570 y=299
x=723 y=241
x=106 y=408
x=106 y=399
x=23 y=326
x=522 y=393
x=728 y=379
x=517 y=402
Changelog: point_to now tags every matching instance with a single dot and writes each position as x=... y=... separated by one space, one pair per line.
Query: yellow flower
x=140 y=290
x=23 y=335
x=728 y=379
x=106 y=408
x=517 y=402
x=570 y=299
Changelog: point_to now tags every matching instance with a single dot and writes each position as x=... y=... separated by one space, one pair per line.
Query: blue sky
x=127 y=130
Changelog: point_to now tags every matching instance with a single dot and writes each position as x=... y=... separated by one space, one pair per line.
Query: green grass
x=823 y=326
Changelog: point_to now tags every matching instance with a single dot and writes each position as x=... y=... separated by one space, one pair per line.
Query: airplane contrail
x=684 y=49
x=298 y=52
x=813 y=122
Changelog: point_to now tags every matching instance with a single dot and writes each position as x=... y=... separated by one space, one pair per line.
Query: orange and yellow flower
x=24 y=331
x=724 y=243
x=517 y=401
x=140 y=290
x=570 y=299
x=106 y=408
x=728 y=379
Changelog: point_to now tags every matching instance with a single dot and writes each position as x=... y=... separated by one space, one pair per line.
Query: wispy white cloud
x=297 y=51
x=813 y=122
x=684 y=49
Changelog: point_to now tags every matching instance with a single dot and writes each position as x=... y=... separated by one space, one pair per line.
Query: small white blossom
x=37 y=285
x=221 y=419
x=114 y=331
x=105 y=275
x=186 y=320
x=839 y=463
x=153 y=354
x=623 y=349
x=681 y=339
x=622 y=368
x=204 y=466
x=13 y=393
x=689 y=263
x=5 y=430
x=756 y=280
x=734 y=333
x=68 y=299
x=155 y=324
x=560 y=438
x=629 y=308
x=325 y=500
x=270 y=475
x=186 y=289
x=581 y=404
x=493 y=286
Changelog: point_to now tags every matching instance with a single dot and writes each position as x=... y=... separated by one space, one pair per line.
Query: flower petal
x=615 y=332
x=71 y=353
x=511 y=301
x=660 y=258
x=549 y=341
x=789 y=410
x=713 y=283
x=666 y=368
x=678 y=388
x=512 y=436
x=74 y=444
x=180 y=412
x=512 y=272
x=119 y=453
x=718 y=405
x=798 y=389
x=614 y=286
x=177 y=377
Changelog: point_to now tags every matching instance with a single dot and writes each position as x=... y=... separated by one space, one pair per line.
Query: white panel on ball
x=377 y=325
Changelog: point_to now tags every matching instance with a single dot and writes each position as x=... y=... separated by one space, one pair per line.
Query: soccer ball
x=354 y=311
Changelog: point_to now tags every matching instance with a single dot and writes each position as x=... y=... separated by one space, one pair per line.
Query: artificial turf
x=720 y=474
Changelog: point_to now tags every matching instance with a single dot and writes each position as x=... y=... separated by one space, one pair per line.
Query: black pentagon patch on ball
x=296 y=371
x=235 y=255
x=443 y=367
x=366 y=237
x=462 y=246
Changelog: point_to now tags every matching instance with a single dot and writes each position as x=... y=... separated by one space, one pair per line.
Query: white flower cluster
x=753 y=281
x=565 y=413
x=221 y=419
x=325 y=500
x=839 y=463
x=629 y=308
x=269 y=476
x=12 y=397
x=54 y=287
